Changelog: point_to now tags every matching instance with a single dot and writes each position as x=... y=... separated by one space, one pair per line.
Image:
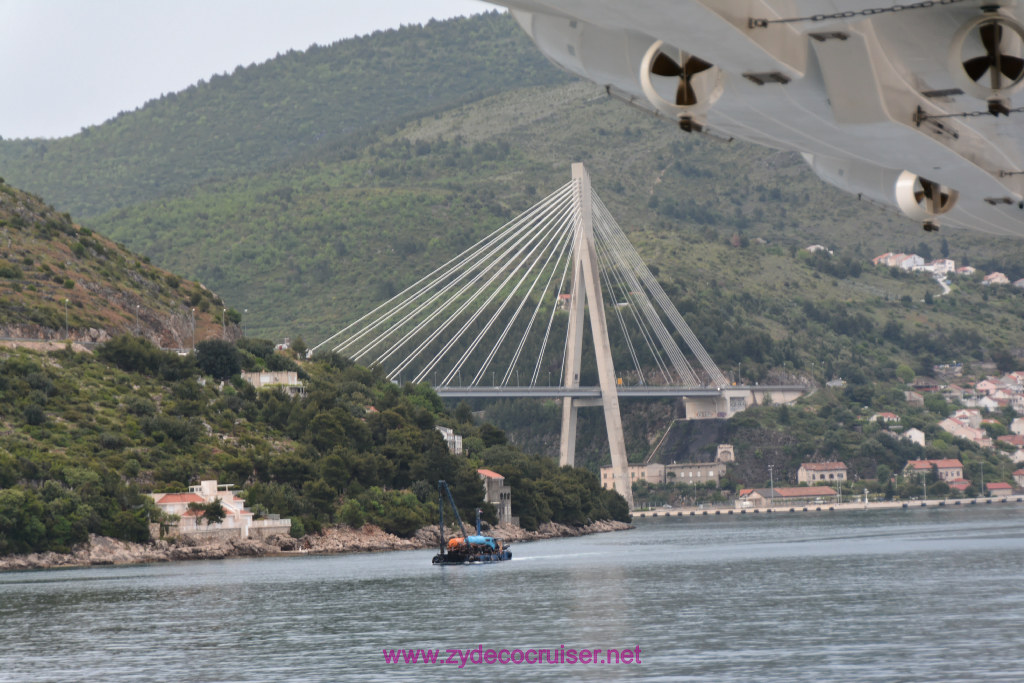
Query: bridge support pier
x=586 y=297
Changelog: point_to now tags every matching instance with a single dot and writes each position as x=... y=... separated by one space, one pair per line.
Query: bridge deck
x=595 y=392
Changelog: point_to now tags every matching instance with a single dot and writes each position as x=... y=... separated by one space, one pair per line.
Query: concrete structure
x=1018 y=477
x=451 y=439
x=288 y=380
x=811 y=472
x=498 y=494
x=725 y=453
x=949 y=469
x=787 y=495
x=586 y=286
x=238 y=519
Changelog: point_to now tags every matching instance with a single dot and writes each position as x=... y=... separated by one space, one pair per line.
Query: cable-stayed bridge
x=507 y=318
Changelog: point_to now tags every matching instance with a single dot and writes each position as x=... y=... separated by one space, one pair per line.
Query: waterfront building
x=810 y=472
x=948 y=468
x=238 y=520
x=676 y=473
x=498 y=494
x=998 y=488
x=960 y=485
x=787 y=495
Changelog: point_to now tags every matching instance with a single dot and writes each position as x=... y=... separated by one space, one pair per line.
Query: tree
x=212 y=512
x=218 y=358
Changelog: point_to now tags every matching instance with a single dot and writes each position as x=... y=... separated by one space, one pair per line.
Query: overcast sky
x=66 y=64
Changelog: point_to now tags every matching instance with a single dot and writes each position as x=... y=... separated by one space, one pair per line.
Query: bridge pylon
x=489 y=323
x=586 y=297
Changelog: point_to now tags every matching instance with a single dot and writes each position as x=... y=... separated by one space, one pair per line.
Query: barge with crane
x=465 y=549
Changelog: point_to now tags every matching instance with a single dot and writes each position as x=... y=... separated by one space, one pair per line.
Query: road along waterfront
x=921 y=594
x=855 y=504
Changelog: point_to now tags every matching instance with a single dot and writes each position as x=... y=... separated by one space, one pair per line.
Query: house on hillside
x=986 y=386
x=914 y=435
x=926 y=385
x=1018 y=477
x=909 y=262
x=968 y=416
x=965 y=271
x=914 y=399
x=1017 y=426
x=1015 y=440
x=942 y=266
x=885 y=418
x=810 y=472
x=451 y=439
x=996 y=278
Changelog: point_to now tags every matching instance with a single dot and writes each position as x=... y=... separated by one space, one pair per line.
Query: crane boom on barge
x=465 y=549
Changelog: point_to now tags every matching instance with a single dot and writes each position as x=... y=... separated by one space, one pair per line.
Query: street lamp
x=66 y=336
x=138 y=330
x=771 y=479
x=193 y=330
x=224 y=323
x=245 y=314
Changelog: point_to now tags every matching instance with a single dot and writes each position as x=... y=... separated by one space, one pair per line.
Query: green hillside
x=61 y=281
x=87 y=435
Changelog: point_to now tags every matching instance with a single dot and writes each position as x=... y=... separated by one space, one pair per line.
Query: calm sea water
x=897 y=595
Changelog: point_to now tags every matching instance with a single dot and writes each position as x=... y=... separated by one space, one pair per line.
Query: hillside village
x=988 y=413
x=941 y=269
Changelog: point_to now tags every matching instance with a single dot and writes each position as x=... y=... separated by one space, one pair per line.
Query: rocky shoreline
x=101 y=550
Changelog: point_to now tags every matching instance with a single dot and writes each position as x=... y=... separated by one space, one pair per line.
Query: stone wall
x=262 y=529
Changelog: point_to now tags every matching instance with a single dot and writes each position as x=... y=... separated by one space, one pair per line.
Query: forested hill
x=261 y=115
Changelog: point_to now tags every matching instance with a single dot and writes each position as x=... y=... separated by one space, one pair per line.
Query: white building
x=238 y=520
x=942 y=266
x=914 y=435
x=453 y=440
x=288 y=380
